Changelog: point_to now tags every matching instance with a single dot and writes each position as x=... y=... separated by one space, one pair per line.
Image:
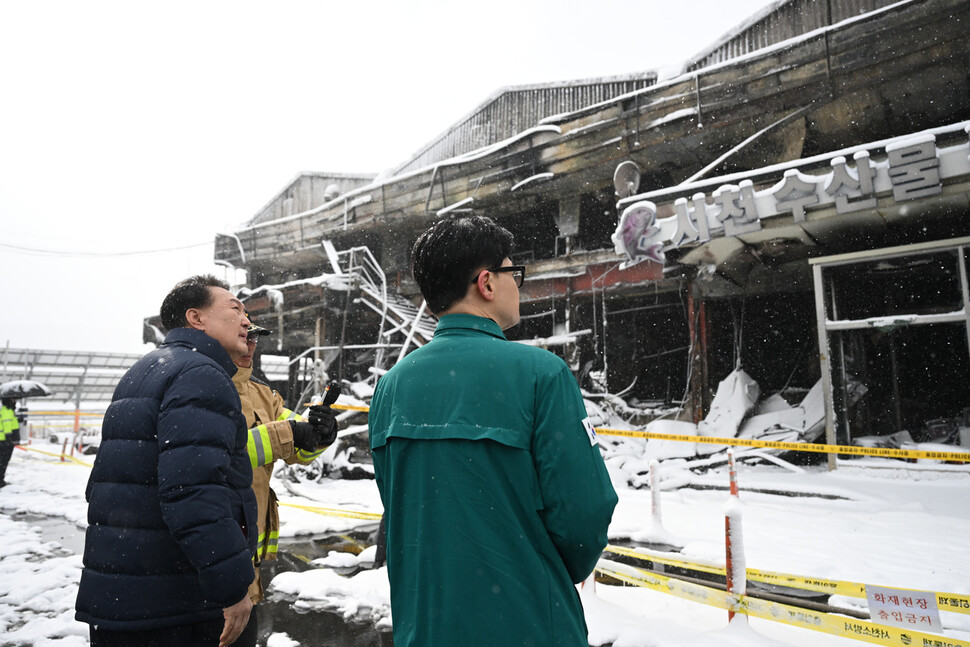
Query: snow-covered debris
x=736 y=396
x=878 y=521
x=362 y=598
x=774 y=419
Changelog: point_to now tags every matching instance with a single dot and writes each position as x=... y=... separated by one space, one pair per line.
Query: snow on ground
x=904 y=526
x=38 y=579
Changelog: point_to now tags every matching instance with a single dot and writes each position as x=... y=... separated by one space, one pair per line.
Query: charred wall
x=597 y=218
x=897 y=376
x=645 y=343
x=771 y=337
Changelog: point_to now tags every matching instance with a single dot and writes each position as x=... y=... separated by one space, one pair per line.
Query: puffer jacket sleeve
x=577 y=495
x=197 y=436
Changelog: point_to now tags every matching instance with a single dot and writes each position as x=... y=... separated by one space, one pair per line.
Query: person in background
x=275 y=433
x=496 y=497
x=9 y=434
x=168 y=552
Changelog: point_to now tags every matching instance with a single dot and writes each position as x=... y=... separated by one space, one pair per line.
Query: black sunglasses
x=518 y=273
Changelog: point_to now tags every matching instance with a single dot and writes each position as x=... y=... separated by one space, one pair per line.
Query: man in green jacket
x=496 y=498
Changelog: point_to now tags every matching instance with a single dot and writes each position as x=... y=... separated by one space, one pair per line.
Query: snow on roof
x=740 y=28
x=800 y=164
x=339 y=282
x=553 y=120
x=325 y=175
x=357 y=194
x=758 y=53
x=499 y=93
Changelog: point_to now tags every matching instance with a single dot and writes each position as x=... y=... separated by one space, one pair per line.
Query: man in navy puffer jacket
x=171 y=512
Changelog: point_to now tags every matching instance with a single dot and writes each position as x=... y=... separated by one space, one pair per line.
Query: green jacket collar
x=458 y=323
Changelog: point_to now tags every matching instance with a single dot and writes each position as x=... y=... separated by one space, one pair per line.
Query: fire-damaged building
x=793 y=206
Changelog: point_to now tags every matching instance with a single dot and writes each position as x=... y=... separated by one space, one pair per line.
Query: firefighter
x=9 y=435
x=275 y=433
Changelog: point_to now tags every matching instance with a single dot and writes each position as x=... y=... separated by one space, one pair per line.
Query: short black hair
x=10 y=403
x=192 y=292
x=446 y=254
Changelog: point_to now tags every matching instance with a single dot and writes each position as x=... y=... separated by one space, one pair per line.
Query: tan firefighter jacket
x=270 y=439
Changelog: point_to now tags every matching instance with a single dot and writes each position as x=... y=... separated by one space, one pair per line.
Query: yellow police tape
x=64 y=413
x=66 y=457
x=333 y=512
x=795 y=615
x=791 y=615
x=882 y=452
x=336 y=512
x=350 y=407
x=945 y=601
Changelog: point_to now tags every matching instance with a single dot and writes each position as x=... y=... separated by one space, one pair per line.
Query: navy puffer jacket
x=171 y=512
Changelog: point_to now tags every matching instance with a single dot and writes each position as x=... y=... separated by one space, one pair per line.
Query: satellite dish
x=626 y=179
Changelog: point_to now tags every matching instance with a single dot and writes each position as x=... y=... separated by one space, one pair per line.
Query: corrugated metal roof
x=778 y=22
x=514 y=109
x=83 y=376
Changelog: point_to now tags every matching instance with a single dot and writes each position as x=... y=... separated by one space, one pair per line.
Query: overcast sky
x=130 y=127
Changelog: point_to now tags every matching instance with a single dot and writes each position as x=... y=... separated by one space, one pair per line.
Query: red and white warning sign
x=916 y=610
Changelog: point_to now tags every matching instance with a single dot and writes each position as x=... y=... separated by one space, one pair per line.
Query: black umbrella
x=23 y=389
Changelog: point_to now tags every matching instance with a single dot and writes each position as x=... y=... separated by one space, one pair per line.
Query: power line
x=64 y=253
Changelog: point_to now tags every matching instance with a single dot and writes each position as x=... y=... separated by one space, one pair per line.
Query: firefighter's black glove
x=304 y=435
x=324 y=422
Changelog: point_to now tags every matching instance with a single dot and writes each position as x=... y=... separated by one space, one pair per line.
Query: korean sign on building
x=914 y=168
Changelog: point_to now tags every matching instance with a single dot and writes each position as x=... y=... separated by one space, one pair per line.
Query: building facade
x=814 y=130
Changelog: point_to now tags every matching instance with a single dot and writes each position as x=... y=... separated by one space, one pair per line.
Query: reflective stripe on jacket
x=9 y=425
x=270 y=439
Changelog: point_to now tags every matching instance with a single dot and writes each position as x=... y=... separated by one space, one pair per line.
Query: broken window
x=535 y=232
x=645 y=343
x=771 y=335
x=597 y=221
x=897 y=331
